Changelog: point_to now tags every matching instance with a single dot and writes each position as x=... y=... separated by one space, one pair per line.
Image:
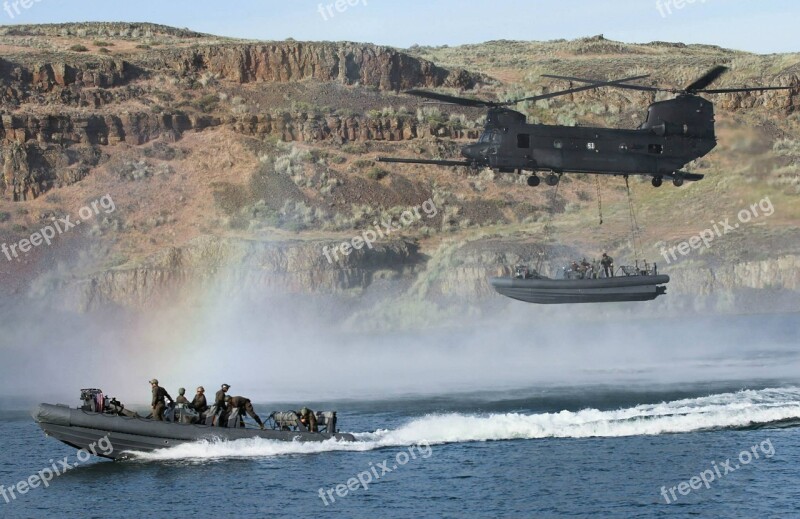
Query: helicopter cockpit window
x=523 y=140
x=558 y=144
x=491 y=136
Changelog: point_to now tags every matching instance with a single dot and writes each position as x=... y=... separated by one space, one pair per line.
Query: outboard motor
x=326 y=421
x=92 y=400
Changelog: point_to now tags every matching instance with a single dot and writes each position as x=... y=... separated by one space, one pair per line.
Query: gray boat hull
x=83 y=429
x=561 y=291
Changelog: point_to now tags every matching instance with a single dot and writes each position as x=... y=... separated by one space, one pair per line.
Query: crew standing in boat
x=158 y=404
x=608 y=265
x=219 y=398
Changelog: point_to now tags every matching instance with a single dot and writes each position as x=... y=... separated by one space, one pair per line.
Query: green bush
x=102 y=43
x=377 y=173
x=207 y=103
x=362 y=163
x=229 y=197
x=78 y=48
x=355 y=148
x=4 y=216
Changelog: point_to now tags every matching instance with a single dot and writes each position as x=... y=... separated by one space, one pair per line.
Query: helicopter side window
x=558 y=144
x=523 y=140
x=656 y=149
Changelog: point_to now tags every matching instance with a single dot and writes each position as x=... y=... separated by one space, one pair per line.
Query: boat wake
x=740 y=410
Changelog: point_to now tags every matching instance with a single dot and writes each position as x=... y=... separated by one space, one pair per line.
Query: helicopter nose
x=474 y=151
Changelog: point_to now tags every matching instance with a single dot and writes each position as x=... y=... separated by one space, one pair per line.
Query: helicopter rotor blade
x=614 y=84
x=444 y=98
x=591 y=86
x=706 y=79
x=478 y=103
x=697 y=87
x=744 y=89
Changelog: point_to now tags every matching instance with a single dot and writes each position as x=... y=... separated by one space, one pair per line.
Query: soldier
x=199 y=403
x=575 y=270
x=181 y=399
x=595 y=269
x=608 y=265
x=219 y=398
x=244 y=406
x=309 y=419
x=158 y=405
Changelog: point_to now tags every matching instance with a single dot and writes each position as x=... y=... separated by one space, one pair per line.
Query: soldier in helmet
x=309 y=419
x=199 y=403
x=608 y=265
x=244 y=405
x=158 y=404
x=181 y=398
x=219 y=398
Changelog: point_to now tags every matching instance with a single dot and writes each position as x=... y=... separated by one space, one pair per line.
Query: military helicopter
x=676 y=132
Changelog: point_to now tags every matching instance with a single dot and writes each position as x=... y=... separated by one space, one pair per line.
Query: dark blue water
x=569 y=452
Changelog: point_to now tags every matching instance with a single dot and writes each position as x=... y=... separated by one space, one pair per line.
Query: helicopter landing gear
x=657 y=181
x=533 y=181
x=677 y=181
x=552 y=179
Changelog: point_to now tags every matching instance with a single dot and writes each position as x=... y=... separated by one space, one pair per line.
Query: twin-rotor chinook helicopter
x=676 y=132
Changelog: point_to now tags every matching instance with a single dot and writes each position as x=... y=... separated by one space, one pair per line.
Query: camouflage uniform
x=309 y=419
x=199 y=403
x=245 y=406
x=181 y=398
x=158 y=404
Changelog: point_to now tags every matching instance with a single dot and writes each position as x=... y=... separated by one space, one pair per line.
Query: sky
x=761 y=26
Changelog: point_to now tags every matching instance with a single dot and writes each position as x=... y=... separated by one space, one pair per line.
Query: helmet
x=226 y=386
x=154 y=381
x=304 y=411
x=200 y=388
x=181 y=390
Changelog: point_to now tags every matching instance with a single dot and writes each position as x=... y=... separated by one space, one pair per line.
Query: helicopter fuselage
x=675 y=133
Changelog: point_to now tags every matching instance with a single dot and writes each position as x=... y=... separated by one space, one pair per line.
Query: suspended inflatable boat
x=632 y=285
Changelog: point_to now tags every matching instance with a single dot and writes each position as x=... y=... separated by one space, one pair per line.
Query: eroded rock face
x=283 y=62
x=32 y=145
x=239 y=268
